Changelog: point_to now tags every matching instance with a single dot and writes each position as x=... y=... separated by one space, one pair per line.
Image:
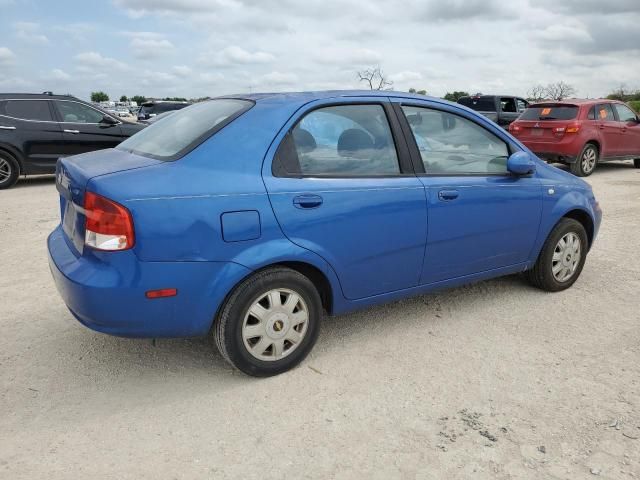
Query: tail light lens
x=109 y=225
x=513 y=128
x=571 y=128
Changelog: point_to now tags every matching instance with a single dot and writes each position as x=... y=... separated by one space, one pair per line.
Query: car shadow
x=34 y=181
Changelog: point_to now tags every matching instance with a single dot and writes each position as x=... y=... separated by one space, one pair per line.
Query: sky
x=197 y=48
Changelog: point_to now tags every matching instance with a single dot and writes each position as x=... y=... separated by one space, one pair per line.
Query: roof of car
x=36 y=96
x=574 y=101
x=286 y=97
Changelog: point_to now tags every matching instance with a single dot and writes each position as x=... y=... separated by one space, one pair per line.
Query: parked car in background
x=37 y=129
x=249 y=216
x=502 y=109
x=151 y=109
x=580 y=133
x=160 y=116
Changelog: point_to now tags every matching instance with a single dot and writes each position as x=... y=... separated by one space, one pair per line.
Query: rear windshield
x=479 y=104
x=541 y=112
x=173 y=136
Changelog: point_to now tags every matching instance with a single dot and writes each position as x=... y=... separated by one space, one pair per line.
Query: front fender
x=557 y=205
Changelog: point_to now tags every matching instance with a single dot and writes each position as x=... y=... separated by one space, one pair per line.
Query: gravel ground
x=495 y=380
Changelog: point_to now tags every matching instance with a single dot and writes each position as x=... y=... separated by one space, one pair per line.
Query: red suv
x=580 y=133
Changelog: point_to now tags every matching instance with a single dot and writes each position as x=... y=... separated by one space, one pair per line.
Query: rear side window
x=453 y=145
x=182 y=131
x=605 y=113
x=592 y=114
x=508 y=105
x=550 y=112
x=343 y=140
x=479 y=104
x=27 y=109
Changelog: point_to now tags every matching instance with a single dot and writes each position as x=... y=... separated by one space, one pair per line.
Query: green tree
x=455 y=96
x=99 y=97
x=175 y=99
x=138 y=99
x=124 y=98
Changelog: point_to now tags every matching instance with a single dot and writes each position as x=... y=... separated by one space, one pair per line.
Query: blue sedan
x=249 y=217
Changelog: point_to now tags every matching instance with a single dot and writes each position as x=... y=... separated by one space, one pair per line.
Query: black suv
x=36 y=129
x=156 y=107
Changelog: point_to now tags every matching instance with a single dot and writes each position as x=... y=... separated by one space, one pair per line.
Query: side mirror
x=520 y=163
x=107 y=120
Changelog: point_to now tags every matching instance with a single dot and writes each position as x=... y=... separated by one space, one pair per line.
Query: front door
x=630 y=130
x=339 y=187
x=83 y=130
x=481 y=218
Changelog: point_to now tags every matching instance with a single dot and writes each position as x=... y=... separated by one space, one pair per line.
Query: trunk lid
x=72 y=176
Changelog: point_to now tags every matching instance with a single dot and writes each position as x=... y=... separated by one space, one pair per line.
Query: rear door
x=630 y=130
x=481 y=218
x=610 y=131
x=29 y=125
x=82 y=129
x=341 y=185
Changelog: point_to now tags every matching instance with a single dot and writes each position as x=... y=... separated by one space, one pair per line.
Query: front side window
x=508 y=105
x=343 y=140
x=181 y=131
x=452 y=145
x=27 y=109
x=625 y=114
x=74 y=112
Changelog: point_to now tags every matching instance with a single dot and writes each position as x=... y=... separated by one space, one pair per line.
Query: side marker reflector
x=162 y=293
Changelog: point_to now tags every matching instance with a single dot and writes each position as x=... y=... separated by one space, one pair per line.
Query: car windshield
x=180 y=132
x=479 y=104
x=550 y=112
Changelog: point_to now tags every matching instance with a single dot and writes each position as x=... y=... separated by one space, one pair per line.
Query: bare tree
x=374 y=78
x=536 y=93
x=559 y=90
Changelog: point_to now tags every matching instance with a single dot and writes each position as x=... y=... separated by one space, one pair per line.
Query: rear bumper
x=106 y=291
x=560 y=151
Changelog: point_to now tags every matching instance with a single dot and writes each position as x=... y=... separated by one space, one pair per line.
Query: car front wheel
x=270 y=322
x=562 y=257
x=9 y=171
x=586 y=162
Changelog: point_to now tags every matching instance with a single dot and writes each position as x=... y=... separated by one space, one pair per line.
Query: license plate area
x=537 y=132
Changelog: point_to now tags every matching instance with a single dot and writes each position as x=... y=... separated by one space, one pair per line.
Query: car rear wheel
x=636 y=163
x=562 y=257
x=269 y=323
x=9 y=171
x=586 y=162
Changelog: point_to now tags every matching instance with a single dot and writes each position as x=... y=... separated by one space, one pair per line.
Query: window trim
x=418 y=164
x=403 y=155
x=48 y=100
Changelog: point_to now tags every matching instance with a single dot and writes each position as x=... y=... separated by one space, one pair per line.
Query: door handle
x=448 y=194
x=624 y=129
x=71 y=131
x=2 y=127
x=307 y=201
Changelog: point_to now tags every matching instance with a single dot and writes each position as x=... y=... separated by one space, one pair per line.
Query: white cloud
x=149 y=44
x=404 y=77
x=6 y=56
x=347 y=56
x=278 y=78
x=29 y=32
x=182 y=70
x=58 y=74
x=89 y=61
x=235 y=55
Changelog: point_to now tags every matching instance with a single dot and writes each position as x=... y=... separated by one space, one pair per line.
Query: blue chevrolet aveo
x=249 y=217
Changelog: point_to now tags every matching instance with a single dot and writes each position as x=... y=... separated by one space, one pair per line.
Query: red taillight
x=513 y=128
x=572 y=128
x=109 y=225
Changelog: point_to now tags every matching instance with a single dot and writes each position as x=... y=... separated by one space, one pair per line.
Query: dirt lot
x=494 y=380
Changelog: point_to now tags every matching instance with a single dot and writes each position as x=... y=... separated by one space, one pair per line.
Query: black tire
x=541 y=275
x=9 y=171
x=229 y=324
x=582 y=168
x=636 y=162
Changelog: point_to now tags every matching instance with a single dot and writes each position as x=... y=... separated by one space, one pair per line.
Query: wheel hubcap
x=566 y=257
x=5 y=170
x=275 y=324
x=589 y=160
